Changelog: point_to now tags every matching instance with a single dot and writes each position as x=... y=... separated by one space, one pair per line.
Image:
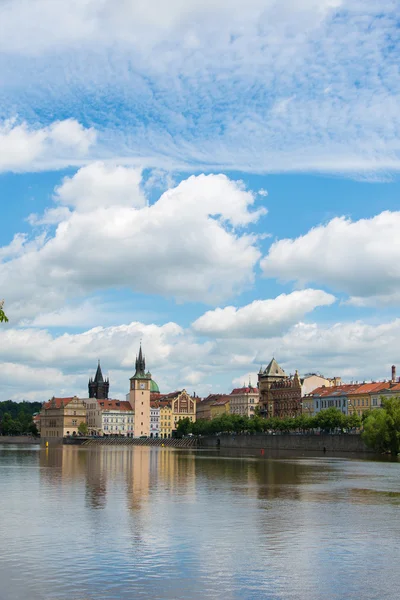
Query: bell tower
x=139 y=396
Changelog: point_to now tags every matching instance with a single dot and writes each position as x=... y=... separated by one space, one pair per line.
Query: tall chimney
x=393 y=373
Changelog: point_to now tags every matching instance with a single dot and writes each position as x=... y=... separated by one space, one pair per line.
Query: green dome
x=154 y=389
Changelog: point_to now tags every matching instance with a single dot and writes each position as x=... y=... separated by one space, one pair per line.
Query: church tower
x=98 y=387
x=139 y=396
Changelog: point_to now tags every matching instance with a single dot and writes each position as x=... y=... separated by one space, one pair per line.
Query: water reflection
x=158 y=523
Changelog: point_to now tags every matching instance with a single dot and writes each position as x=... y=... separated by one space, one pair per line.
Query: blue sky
x=219 y=180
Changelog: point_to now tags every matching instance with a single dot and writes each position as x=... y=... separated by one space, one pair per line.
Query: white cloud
x=261 y=318
x=361 y=258
x=205 y=85
x=137 y=22
x=37 y=365
x=99 y=185
x=190 y=244
x=24 y=147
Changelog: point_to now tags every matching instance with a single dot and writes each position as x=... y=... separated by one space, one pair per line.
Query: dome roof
x=154 y=389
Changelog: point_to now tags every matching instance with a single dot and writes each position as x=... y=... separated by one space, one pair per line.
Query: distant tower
x=98 y=387
x=139 y=396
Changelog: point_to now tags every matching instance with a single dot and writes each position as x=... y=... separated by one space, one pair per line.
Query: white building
x=154 y=419
x=242 y=401
x=109 y=417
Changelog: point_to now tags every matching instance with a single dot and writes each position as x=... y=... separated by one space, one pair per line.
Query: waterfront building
x=243 y=401
x=165 y=419
x=98 y=387
x=61 y=417
x=220 y=407
x=360 y=399
x=280 y=394
x=328 y=397
x=154 y=417
x=173 y=407
x=109 y=417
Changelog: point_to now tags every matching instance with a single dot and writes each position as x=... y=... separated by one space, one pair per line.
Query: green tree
x=353 y=421
x=3 y=316
x=330 y=419
x=83 y=428
x=183 y=427
x=382 y=427
x=7 y=424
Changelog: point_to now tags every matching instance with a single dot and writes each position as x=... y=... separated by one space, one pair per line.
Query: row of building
x=145 y=412
x=148 y=413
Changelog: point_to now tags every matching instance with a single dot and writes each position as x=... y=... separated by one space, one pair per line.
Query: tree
x=330 y=419
x=83 y=428
x=382 y=427
x=3 y=316
x=183 y=427
x=353 y=421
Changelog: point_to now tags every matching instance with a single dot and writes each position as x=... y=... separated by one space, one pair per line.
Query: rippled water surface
x=155 y=523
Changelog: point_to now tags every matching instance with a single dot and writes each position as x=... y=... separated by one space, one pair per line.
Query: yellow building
x=360 y=400
x=61 y=417
x=220 y=407
x=173 y=408
x=165 y=420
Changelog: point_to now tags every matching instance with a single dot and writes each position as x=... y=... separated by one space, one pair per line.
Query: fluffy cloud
x=23 y=147
x=37 y=365
x=261 y=318
x=361 y=258
x=99 y=185
x=190 y=244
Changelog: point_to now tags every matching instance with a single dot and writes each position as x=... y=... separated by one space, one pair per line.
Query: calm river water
x=154 y=523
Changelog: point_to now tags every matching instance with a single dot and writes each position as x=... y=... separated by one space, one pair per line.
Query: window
x=74 y=421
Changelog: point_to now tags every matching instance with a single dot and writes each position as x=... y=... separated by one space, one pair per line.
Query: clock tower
x=139 y=396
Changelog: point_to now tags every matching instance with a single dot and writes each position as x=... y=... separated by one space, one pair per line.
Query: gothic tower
x=98 y=387
x=139 y=396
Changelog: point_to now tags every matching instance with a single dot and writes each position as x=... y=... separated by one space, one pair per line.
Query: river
x=159 y=524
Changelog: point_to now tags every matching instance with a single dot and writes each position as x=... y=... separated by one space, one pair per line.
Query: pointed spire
x=99 y=375
x=140 y=363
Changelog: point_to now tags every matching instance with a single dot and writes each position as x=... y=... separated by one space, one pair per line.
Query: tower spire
x=140 y=364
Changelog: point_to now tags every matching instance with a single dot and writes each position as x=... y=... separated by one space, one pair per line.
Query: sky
x=216 y=179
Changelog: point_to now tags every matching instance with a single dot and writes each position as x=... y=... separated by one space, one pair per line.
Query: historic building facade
x=61 y=417
x=109 y=417
x=243 y=401
x=173 y=407
x=280 y=394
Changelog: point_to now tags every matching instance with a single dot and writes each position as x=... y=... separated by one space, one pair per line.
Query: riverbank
x=18 y=439
x=262 y=443
x=333 y=444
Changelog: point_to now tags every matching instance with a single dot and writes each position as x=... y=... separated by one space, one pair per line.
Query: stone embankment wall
x=302 y=443
x=18 y=439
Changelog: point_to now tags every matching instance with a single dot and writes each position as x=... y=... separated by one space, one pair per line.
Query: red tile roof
x=367 y=388
x=58 y=402
x=245 y=390
x=109 y=404
x=221 y=401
